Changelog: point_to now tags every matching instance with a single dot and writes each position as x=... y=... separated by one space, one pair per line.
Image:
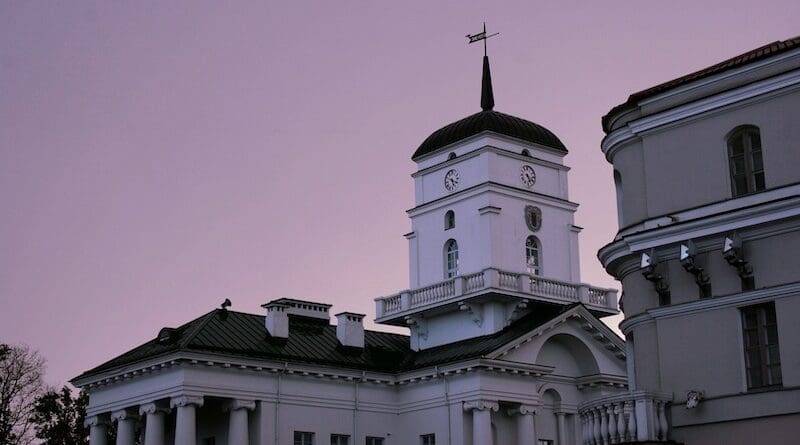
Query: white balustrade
x=432 y=294
x=525 y=284
x=638 y=416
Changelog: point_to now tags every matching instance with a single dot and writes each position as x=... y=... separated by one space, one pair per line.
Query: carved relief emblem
x=533 y=217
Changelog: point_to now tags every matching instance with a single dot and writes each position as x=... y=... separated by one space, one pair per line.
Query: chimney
x=350 y=329
x=277 y=321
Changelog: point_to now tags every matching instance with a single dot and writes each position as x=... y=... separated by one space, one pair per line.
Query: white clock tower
x=493 y=232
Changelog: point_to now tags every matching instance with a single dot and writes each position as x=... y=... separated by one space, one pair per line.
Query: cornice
x=495 y=187
x=598 y=330
x=488 y=133
x=490 y=149
x=709 y=304
x=773 y=86
x=750 y=218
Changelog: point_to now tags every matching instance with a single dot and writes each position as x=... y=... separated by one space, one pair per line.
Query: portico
x=150 y=421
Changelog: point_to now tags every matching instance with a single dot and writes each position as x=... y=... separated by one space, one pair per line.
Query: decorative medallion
x=451 y=180
x=533 y=217
x=527 y=175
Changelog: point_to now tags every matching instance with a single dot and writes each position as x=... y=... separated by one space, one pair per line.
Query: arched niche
x=569 y=355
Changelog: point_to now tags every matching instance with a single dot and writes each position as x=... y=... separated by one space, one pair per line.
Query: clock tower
x=492 y=230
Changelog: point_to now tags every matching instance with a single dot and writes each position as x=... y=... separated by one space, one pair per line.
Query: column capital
x=97 y=420
x=523 y=410
x=181 y=401
x=235 y=404
x=480 y=405
x=154 y=407
x=124 y=414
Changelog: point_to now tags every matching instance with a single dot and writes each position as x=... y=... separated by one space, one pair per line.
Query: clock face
x=451 y=180
x=528 y=176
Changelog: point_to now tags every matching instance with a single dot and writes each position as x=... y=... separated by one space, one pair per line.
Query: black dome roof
x=489 y=120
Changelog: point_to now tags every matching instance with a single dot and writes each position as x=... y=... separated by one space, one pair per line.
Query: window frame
x=451 y=267
x=745 y=135
x=303 y=435
x=427 y=439
x=340 y=439
x=374 y=440
x=449 y=220
x=766 y=326
x=533 y=252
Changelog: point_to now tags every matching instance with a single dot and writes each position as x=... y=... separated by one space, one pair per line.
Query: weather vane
x=481 y=36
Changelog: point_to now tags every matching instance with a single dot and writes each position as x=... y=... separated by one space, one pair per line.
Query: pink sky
x=156 y=158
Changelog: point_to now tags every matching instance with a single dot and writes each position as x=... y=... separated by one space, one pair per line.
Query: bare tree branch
x=21 y=371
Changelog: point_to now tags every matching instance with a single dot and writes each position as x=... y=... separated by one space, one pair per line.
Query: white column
x=185 y=421
x=526 y=426
x=98 y=429
x=482 y=420
x=238 y=421
x=126 y=426
x=154 y=423
x=562 y=428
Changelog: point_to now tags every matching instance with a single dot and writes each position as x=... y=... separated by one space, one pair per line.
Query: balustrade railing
x=521 y=283
x=597 y=296
x=638 y=416
x=473 y=282
x=566 y=291
x=508 y=280
x=433 y=293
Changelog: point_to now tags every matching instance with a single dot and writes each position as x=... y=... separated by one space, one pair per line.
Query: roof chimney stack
x=350 y=329
x=277 y=321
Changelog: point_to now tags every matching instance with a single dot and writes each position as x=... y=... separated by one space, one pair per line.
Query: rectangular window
x=303 y=438
x=746 y=161
x=340 y=439
x=761 y=355
x=545 y=442
x=374 y=440
x=427 y=439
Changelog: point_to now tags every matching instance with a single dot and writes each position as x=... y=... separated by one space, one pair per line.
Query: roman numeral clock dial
x=451 y=179
x=528 y=176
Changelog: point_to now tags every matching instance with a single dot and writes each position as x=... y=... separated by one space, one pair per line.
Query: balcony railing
x=638 y=416
x=463 y=286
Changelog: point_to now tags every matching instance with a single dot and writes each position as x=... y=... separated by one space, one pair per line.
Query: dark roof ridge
x=753 y=55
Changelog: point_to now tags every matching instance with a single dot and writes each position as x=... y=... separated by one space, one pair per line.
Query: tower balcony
x=494 y=283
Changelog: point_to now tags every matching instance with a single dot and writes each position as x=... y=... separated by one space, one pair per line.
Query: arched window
x=449 y=220
x=532 y=252
x=746 y=163
x=525 y=152
x=450 y=258
x=451 y=156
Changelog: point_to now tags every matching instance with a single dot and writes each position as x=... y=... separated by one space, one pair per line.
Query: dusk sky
x=159 y=157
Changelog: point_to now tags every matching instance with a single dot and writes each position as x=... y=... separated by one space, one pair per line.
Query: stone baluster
x=186 y=420
x=596 y=438
x=482 y=420
x=662 y=420
x=584 y=429
x=629 y=408
x=620 y=412
x=155 y=420
x=603 y=425
x=612 y=423
x=238 y=421
x=98 y=429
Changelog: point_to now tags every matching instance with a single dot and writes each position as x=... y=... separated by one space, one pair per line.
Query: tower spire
x=487 y=95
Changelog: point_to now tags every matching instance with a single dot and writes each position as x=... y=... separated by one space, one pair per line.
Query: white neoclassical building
x=505 y=345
